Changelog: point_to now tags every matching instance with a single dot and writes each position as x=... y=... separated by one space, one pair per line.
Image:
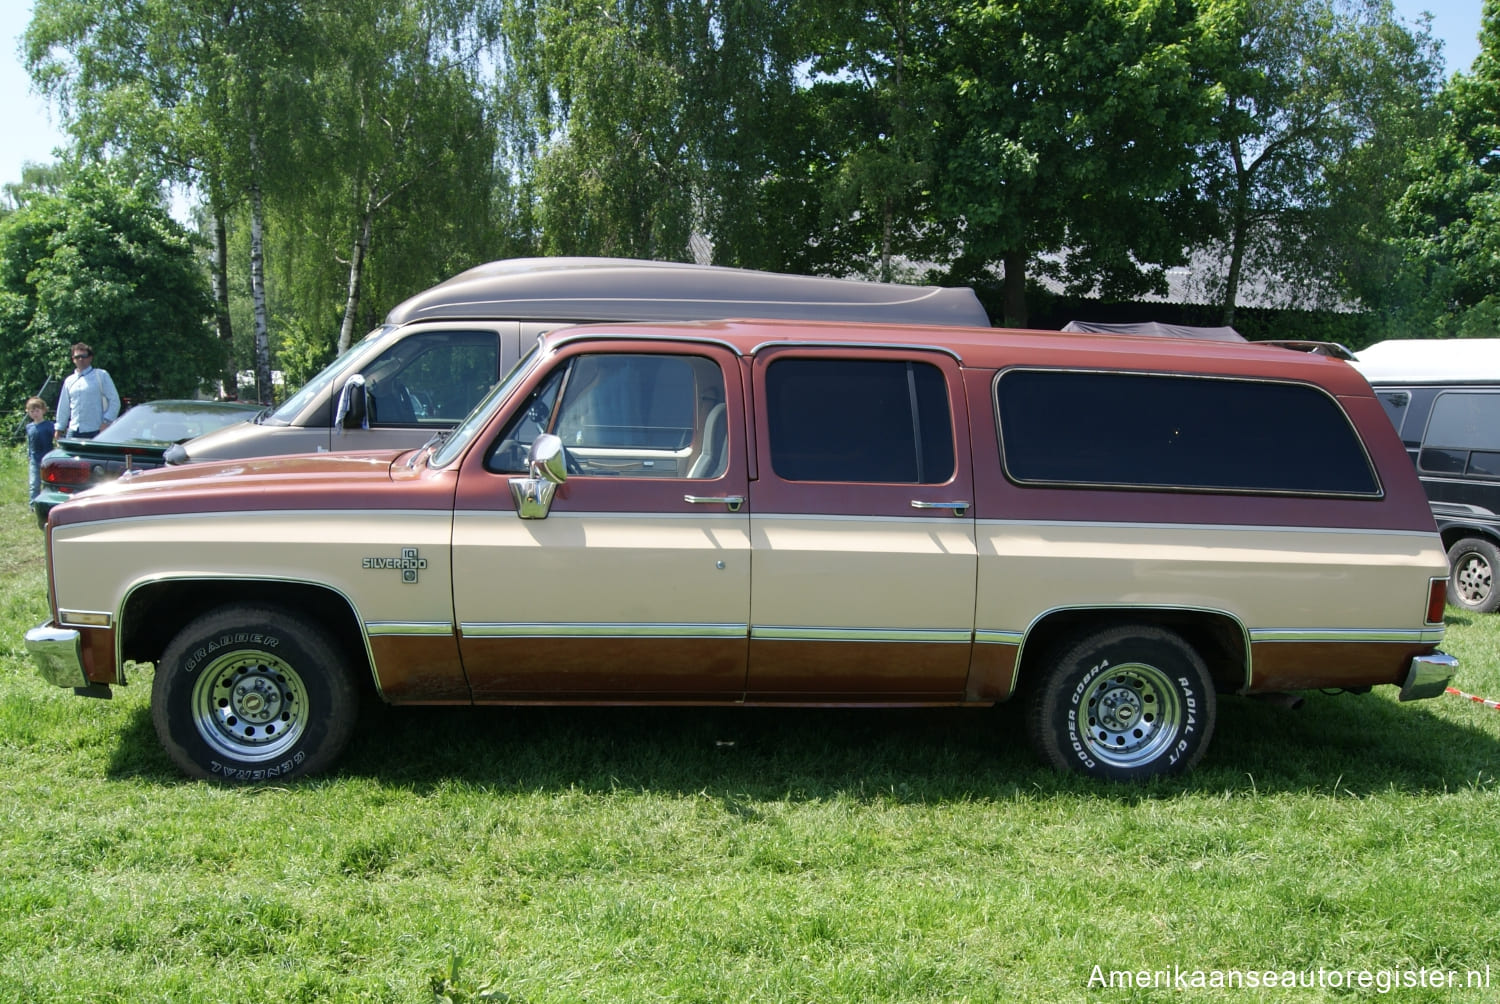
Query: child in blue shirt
x=38 y=440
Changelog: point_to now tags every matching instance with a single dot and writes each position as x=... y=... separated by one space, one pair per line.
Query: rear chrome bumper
x=1428 y=676
x=58 y=654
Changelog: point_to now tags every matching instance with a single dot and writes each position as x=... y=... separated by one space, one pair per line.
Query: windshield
x=293 y=406
x=469 y=427
x=173 y=421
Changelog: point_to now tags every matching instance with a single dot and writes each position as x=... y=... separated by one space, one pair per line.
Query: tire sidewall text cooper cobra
x=1125 y=703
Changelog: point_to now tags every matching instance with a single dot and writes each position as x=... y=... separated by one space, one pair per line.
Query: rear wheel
x=1471 y=584
x=248 y=693
x=1126 y=703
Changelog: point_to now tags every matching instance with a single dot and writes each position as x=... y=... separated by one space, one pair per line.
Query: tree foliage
x=343 y=156
x=1316 y=103
x=103 y=263
x=1443 y=248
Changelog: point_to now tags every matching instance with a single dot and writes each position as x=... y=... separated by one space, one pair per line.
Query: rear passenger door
x=862 y=533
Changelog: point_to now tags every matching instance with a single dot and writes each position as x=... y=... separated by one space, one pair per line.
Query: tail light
x=1437 y=595
x=67 y=474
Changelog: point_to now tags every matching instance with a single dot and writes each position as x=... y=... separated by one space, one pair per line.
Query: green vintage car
x=136 y=441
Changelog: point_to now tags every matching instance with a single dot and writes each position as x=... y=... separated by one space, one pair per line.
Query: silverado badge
x=409 y=563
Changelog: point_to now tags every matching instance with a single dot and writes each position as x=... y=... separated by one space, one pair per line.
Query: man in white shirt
x=89 y=401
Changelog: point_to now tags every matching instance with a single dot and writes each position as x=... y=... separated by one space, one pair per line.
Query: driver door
x=636 y=584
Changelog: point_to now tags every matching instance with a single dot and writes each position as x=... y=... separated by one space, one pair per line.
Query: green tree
x=311 y=132
x=875 y=92
x=103 y=263
x=1442 y=249
x=181 y=88
x=1317 y=103
x=608 y=85
x=400 y=121
x=1067 y=132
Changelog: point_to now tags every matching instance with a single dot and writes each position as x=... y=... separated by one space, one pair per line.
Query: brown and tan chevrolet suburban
x=1114 y=530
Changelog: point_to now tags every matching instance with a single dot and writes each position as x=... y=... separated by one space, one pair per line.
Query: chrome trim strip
x=1214 y=527
x=359 y=621
x=950 y=636
x=1144 y=607
x=333 y=513
x=388 y=629
x=888 y=346
x=600 y=630
x=624 y=336
x=658 y=516
x=902 y=520
x=1410 y=636
x=984 y=636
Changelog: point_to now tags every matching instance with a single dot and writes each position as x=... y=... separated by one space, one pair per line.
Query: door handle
x=732 y=501
x=959 y=508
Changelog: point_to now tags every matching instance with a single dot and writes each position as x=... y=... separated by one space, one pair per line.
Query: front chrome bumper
x=58 y=654
x=1428 y=676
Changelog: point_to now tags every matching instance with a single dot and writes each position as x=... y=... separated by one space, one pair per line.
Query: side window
x=1463 y=435
x=1137 y=430
x=644 y=416
x=1395 y=403
x=432 y=378
x=859 y=420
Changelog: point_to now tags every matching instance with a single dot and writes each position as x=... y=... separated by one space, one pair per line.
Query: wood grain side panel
x=842 y=671
x=419 y=669
x=610 y=669
x=1277 y=666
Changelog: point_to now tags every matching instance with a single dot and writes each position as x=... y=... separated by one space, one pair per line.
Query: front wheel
x=248 y=693
x=1471 y=584
x=1124 y=704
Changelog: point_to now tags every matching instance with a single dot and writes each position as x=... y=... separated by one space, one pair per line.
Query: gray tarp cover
x=1156 y=328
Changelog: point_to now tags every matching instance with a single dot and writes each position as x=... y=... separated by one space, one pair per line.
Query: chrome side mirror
x=547 y=463
x=352 y=408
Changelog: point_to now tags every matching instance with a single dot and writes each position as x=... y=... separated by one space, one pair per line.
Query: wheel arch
x=1452 y=533
x=1219 y=638
x=154 y=611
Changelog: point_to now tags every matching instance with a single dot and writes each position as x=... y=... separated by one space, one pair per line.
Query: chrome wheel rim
x=250 y=706
x=1130 y=715
x=1473 y=578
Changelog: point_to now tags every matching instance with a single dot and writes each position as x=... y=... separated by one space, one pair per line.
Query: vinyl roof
x=623 y=289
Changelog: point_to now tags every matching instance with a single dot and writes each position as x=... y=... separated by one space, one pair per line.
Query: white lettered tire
x=250 y=693
x=1124 y=704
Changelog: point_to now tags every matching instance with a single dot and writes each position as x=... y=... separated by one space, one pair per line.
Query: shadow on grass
x=1334 y=743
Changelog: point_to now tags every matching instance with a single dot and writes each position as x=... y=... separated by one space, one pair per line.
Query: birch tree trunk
x=258 y=280
x=356 y=278
x=219 y=280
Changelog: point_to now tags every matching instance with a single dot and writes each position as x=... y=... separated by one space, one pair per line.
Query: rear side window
x=1138 y=430
x=859 y=420
x=1463 y=435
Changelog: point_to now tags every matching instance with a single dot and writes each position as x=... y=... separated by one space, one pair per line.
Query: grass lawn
x=548 y=855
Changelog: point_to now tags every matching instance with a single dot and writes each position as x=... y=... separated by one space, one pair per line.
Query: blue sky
x=28 y=127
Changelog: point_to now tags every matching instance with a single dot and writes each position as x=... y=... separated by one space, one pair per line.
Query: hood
x=246 y=438
x=301 y=481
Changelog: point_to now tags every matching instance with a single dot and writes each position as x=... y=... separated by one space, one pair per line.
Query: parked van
x=1443 y=396
x=1113 y=530
x=438 y=352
